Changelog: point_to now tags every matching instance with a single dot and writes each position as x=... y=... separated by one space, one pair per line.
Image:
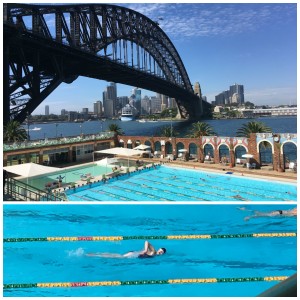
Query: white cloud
x=195 y=20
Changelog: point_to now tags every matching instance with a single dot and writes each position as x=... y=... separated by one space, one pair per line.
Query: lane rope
x=141 y=282
x=151 y=237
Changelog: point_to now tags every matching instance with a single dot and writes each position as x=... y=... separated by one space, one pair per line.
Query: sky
x=220 y=44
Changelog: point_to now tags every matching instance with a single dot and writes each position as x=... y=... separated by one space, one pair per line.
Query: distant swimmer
x=275 y=213
x=148 y=252
x=240 y=197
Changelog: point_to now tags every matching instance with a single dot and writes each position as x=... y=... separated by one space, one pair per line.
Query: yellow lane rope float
x=151 y=237
x=141 y=282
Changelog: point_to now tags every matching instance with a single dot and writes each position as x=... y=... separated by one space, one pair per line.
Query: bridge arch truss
x=45 y=45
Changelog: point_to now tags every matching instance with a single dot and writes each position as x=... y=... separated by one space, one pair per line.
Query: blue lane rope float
x=142 y=282
x=150 y=237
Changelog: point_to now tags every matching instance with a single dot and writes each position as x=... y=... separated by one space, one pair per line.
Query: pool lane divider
x=141 y=282
x=151 y=237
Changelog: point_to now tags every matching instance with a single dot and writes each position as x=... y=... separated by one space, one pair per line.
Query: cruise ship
x=129 y=113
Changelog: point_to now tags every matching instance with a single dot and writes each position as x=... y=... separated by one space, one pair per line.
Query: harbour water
x=152 y=128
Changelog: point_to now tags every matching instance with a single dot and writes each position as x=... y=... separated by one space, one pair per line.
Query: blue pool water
x=41 y=262
x=69 y=175
x=176 y=184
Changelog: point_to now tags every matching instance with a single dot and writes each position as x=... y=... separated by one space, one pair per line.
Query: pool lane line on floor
x=151 y=237
x=143 y=282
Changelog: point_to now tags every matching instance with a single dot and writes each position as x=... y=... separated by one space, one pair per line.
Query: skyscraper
x=47 y=110
x=137 y=98
x=98 y=108
x=197 y=89
x=237 y=93
x=112 y=95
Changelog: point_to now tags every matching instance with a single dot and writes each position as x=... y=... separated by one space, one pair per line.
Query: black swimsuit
x=280 y=211
x=145 y=255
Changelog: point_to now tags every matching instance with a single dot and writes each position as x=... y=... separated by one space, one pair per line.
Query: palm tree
x=14 y=132
x=116 y=129
x=167 y=131
x=201 y=129
x=253 y=127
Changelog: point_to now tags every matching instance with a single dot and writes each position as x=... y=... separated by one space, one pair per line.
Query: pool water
x=69 y=174
x=44 y=262
x=176 y=184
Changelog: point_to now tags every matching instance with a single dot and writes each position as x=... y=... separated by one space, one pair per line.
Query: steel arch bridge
x=45 y=45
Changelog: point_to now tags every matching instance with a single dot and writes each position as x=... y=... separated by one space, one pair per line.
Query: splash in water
x=77 y=252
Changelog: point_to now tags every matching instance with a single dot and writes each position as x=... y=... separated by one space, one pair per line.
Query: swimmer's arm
x=148 y=248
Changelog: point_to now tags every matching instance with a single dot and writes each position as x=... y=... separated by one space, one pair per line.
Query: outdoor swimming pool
x=69 y=174
x=166 y=183
x=216 y=258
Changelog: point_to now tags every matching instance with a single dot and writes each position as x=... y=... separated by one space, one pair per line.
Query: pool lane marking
x=151 y=237
x=218 y=188
x=143 y=282
x=193 y=196
x=237 y=185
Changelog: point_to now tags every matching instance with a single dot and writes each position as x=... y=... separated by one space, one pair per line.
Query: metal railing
x=16 y=190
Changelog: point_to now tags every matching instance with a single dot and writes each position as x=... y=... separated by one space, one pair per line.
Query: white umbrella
x=182 y=150
x=106 y=161
x=247 y=155
x=142 y=147
x=30 y=169
x=121 y=151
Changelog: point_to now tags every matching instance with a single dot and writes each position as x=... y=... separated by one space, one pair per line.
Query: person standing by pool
x=275 y=213
x=148 y=252
x=60 y=178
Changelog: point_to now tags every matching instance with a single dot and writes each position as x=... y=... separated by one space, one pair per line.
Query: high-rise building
x=237 y=93
x=137 y=93
x=155 y=105
x=172 y=103
x=98 y=108
x=108 y=106
x=112 y=95
x=47 y=110
x=122 y=101
x=197 y=89
x=145 y=106
x=63 y=112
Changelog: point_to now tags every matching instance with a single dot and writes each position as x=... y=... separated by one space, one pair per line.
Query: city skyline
x=219 y=44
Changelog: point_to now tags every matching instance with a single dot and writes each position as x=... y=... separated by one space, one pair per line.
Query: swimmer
x=148 y=252
x=274 y=213
x=240 y=197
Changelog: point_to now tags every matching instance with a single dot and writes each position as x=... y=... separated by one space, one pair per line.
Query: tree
x=115 y=129
x=14 y=132
x=249 y=104
x=167 y=131
x=253 y=127
x=201 y=129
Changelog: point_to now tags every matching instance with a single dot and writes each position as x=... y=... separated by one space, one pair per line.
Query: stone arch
x=265 y=153
x=193 y=149
x=208 y=149
x=224 y=153
x=168 y=148
x=239 y=150
x=157 y=146
x=289 y=152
